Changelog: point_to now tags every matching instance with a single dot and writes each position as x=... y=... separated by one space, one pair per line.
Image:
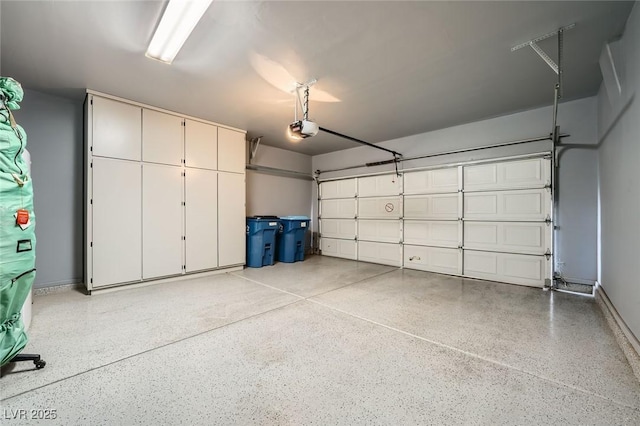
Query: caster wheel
x=40 y=364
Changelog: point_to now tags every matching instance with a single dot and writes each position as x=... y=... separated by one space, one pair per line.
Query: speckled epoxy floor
x=325 y=341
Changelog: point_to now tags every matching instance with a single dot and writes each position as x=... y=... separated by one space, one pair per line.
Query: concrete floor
x=324 y=341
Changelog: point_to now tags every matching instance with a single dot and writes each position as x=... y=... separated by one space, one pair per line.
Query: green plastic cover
x=17 y=243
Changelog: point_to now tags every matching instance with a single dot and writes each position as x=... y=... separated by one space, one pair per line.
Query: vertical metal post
x=555 y=132
x=560 y=49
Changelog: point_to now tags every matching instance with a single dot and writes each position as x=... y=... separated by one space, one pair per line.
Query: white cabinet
x=156 y=204
x=162 y=138
x=162 y=228
x=231 y=150
x=201 y=219
x=201 y=145
x=115 y=129
x=231 y=219
x=115 y=215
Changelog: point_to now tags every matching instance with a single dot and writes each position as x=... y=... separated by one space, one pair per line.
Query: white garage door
x=338 y=212
x=507 y=221
x=490 y=221
x=380 y=207
x=432 y=225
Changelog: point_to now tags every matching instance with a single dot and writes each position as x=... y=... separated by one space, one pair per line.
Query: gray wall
x=269 y=194
x=577 y=215
x=619 y=161
x=54 y=140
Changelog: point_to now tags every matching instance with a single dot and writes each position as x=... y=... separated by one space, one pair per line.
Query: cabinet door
x=201 y=219
x=231 y=219
x=116 y=222
x=201 y=145
x=162 y=138
x=116 y=129
x=161 y=221
x=231 y=150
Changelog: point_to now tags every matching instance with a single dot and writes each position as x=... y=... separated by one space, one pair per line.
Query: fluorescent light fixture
x=178 y=21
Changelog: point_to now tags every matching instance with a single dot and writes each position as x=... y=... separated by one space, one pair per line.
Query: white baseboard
x=166 y=280
x=628 y=342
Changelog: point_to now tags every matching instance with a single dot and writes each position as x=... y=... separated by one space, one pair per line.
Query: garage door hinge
x=548 y=220
x=91 y=244
x=184 y=267
x=184 y=238
x=547 y=254
x=91 y=280
x=91 y=201
x=184 y=204
x=91 y=148
x=91 y=165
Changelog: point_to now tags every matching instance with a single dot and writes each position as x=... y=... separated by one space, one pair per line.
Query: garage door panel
x=338 y=209
x=438 y=206
x=529 y=173
x=507 y=267
x=345 y=188
x=525 y=205
x=516 y=237
x=389 y=231
x=432 y=233
x=376 y=186
x=382 y=253
x=346 y=249
x=380 y=208
x=432 y=181
x=433 y=259
x=338 y=228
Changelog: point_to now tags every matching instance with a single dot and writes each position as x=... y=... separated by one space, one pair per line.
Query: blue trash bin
x=261 y=240
x=291 y=238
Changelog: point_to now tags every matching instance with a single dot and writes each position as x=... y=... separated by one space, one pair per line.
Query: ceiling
x=399 y=68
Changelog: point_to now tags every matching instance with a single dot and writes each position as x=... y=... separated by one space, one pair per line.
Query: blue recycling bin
x=291 y=238
x=261 y=240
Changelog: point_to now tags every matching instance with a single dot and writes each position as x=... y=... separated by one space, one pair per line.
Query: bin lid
x=265 y=217
x=294 y=217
